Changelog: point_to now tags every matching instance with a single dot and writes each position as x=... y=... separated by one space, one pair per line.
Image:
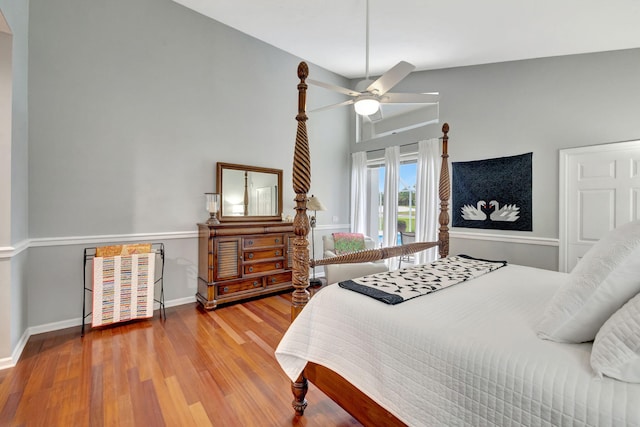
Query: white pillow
x=603 y=280
x=616 y=349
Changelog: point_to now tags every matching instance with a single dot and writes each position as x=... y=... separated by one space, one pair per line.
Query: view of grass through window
x=406 y=195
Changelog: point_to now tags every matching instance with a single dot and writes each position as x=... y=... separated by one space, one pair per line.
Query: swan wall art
x=493 y=193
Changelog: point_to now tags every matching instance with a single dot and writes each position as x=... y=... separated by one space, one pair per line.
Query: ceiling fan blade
x=333 y=87
x=328 y=107
x=410 y=98
x=391 y=78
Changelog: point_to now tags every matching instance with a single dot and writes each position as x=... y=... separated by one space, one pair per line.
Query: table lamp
x=212 y=206
x=315 y=205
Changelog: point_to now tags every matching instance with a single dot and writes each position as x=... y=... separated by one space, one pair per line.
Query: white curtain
x=390 y=217
x=427 y=212
x=359 y=193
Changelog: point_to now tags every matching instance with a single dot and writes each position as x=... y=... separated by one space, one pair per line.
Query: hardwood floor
x=199 y=368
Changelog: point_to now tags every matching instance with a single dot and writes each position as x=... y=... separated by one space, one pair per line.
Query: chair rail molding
x=109 y=238
x=11 y=251
x=506 y=238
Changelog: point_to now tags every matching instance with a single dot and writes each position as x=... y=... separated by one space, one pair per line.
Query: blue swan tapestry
x=493 y=193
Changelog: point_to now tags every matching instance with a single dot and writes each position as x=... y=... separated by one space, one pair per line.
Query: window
x=396 y=119
x=406 y=195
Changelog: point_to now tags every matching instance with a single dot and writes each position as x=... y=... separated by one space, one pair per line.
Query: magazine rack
x=90 y=254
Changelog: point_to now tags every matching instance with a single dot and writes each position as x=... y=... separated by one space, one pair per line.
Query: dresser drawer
x=262 y=267
x=261 y=254
x=263 y=241
x=276 y=279
x=244 y=285
x=238 y=261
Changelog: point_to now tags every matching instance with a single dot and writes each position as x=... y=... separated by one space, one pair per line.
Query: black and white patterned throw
x=394 y=287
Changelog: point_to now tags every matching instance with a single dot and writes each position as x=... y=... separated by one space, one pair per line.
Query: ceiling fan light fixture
x=366 y=105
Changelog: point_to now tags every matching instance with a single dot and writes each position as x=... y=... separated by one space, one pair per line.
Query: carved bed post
x=444 y=193
x=301 y=185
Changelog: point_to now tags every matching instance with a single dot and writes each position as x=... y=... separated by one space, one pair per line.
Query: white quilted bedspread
x=464 y=356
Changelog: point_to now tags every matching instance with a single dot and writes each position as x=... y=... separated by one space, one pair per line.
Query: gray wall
x=14 y=192
x=131 y=104
x=5 y=188
x=5 y=137
x=539 y=106
x=18 y=14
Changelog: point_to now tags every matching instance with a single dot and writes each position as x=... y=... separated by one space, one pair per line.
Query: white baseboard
x=6 y=363
x=10 y=362
x=180 y=301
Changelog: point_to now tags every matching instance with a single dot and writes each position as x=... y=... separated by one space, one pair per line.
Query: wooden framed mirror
x=249 y=193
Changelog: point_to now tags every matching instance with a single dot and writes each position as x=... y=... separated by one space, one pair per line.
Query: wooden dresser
x=237 y=261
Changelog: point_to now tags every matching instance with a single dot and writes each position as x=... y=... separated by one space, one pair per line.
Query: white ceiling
x=427 y=33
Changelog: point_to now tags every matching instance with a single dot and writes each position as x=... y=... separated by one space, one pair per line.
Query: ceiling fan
x=368 y=95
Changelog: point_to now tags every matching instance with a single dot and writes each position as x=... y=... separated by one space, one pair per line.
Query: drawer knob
x=249 y=242
x=273 y=280
x=277 y=240
x=226 y=289
x=277 y=253
x=255 y=284
x=250 y=255
x=250 y=269
x=277 y=265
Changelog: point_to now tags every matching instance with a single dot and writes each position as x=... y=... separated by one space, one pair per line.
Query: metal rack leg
x=163 y=312
x=84 y=291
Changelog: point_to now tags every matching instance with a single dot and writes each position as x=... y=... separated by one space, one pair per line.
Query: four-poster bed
x=336 y=387
x=465 y=356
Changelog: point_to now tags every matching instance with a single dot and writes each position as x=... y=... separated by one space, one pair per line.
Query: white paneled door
x=599 y=191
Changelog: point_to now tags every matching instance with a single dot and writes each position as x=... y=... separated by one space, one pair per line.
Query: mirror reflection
x=249 y=193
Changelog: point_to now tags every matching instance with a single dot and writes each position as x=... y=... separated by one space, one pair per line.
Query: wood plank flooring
x=201 y=368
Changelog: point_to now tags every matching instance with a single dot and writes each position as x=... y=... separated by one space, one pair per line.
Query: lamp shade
x=313 y=204
x=366 y=105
